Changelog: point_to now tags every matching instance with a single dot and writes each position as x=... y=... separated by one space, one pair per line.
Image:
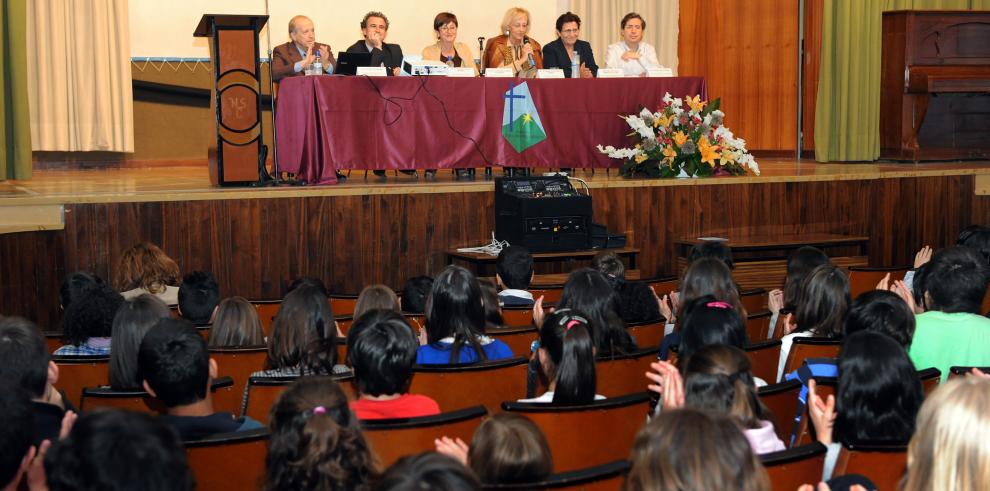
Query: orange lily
x=708 y=151
x=680 y=138
x=696 y=103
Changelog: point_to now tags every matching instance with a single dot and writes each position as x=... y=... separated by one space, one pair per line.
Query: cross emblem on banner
x=510 y=96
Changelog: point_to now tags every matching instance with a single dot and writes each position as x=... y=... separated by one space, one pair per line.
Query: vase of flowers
x=683 y=138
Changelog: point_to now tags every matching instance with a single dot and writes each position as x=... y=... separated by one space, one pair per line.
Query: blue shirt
x=439 y=353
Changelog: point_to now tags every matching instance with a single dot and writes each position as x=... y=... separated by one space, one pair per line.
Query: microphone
x=532 y=62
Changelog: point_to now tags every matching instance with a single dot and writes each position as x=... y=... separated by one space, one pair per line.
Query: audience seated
x=877 y=396
x=493 y=307
x=636 y=300
x=135 y=317
x=308 y=281
x=705 y=276
x=414 y=294
x=316 y=442
x=116 y=449
x=88 y=322
x=566 y=358
x=694 y=449
x=875 y=311
x=950 y=449
x=799 y=265
x=16 y=434
x=506 y=449
x=455 y=323
x=709 y=321
x=176 y=367
x=24 y=361
x=199 y=296
x=304 y=337
x=587 y=291
x=952 y=331
x=236 y=324
x=428 y=470
x=381 y=349
x=514 y=273
x=376 y=297
x=75 y=285
x=718 y=378
x=716 y=249
x=144 y=268
x=822 y=303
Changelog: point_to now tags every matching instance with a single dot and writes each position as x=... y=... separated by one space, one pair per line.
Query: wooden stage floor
x=191 y=183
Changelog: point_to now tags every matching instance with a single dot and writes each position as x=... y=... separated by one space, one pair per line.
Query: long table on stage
x=326 y=123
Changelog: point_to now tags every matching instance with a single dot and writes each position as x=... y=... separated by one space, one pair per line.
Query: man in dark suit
x=295 y=57
x=374 y=28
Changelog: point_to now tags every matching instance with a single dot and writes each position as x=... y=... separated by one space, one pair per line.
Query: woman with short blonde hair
x=950 y=450
x=513 y=48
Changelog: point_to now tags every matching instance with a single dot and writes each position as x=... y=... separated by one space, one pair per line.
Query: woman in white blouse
x=631 y=54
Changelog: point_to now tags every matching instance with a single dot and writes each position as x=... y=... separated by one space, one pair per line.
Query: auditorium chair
x=985 y=306
x=416 y=321
x=605 y=477
x=78 y=372
x=782 y=401
x=624 y=374
x=664 y=286
x=392 y=439
x=140 y=401
x=229 y=460
x=517 y=316
x=789 y=469
x=267 y=310
x=262 y=392
x=550 y=294
x=780 y=327
x=963 y=371
x=204 y=331
x=590 y=434
x=647 y=334
x=341 y=350
x=518 y=338
x=930 y=378
x=810 y=347
x=884 y=464
x=754 y=300
x=461 y=385
x=343 y=304
x=764 y=356
x=863 y=279
x=53 y=339
x=344 y=322
x=758 y=326
x=239 y=363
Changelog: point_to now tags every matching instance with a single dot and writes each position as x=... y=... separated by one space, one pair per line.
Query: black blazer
x=390 y=55
x=555 y=56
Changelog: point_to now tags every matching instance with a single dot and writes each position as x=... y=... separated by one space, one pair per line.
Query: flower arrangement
x=679 y=141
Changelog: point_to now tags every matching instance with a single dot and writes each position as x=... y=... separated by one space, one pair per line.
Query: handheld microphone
x=532 y=62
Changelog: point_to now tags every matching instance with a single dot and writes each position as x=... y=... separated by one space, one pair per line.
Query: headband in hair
x=570 y=320
x=718 y=305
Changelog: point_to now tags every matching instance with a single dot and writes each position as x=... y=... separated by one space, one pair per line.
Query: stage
x=367 y=230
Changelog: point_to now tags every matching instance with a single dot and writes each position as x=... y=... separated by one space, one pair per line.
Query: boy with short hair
x=199 y=296
x=176 y=367
x=514 y=272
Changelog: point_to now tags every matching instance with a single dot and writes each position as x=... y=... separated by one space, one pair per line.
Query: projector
x=424 y=67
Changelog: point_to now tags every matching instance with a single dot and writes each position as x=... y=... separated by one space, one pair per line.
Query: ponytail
x=567 y=339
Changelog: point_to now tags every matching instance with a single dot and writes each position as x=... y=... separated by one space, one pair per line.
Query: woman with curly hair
x=88 y=322
x=145 y=268
x=316 y=441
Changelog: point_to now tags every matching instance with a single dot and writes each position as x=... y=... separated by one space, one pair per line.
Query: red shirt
x=404 y=406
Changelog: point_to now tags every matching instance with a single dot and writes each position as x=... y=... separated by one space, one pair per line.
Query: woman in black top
x=560 y=53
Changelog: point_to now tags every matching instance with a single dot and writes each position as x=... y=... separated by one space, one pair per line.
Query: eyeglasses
x=570 y=31
x=448 y=28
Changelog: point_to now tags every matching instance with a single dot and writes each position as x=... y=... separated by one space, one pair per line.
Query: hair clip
x=718 y=305
x=571 y=323
x=319 y=410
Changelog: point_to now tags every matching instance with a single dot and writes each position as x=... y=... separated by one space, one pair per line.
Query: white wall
x=161 y=29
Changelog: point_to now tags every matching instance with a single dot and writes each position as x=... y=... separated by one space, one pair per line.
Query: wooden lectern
x=238 y=159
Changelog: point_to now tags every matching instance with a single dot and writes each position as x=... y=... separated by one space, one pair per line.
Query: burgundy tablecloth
x=334 y=122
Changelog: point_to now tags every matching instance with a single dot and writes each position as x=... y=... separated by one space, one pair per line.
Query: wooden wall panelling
x=32 y=266
x=747 y=51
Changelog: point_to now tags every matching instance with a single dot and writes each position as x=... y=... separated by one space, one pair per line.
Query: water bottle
x=576 y=66
x=318 y=65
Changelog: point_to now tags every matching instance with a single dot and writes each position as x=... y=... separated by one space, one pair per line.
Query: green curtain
x=15 y=156
x=847 y=113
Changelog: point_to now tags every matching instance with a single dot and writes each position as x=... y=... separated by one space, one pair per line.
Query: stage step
x=29 y=218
